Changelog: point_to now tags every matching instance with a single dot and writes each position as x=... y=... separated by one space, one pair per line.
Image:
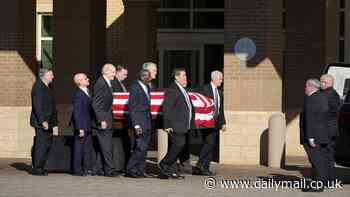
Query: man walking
x=140 y=115
x=315 y=130
x=177 y=117
x=333 y=99
x=82 y=123
x=209 y=136
x=102 y=104
x=44 y=120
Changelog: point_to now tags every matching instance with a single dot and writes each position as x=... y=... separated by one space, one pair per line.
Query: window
x=187 y=59
x=284 y=16
x=45 y=34
x=175 y=4
x=191 y=14
x=175 y=20
x=208 y=4
x=343 y=31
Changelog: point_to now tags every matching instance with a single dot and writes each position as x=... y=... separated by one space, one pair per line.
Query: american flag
x=203 y=107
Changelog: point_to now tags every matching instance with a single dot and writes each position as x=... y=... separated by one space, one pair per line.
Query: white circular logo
x=245 y=49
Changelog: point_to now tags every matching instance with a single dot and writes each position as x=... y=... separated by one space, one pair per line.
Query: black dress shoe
x=112 y=174
x=79 y=174
x=163 y=176
x=148 y=176
x=177 y=176
x=97 y=173
x=198 y=171
x=133 y=176
x=313 y=190
x=39 y=172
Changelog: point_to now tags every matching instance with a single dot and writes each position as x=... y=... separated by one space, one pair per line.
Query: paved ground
x=15 y=181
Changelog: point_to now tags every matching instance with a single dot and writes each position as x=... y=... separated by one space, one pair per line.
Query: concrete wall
x=311 y=32
x=17 y=74
x=253 y=91
x=79 y=46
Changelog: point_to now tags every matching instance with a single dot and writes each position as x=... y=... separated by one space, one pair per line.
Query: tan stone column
x=276 y=140
x=162 y=144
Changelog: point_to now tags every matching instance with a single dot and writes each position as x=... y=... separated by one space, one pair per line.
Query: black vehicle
x=341 y=74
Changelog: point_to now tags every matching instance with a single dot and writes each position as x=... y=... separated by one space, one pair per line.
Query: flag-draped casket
x=203 y=107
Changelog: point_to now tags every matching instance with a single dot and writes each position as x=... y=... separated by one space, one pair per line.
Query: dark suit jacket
x=175 y=110
x=139 y=107
x=303 y=139
x=82 y=115
x=43 y=106
x=314 y=121
x=207 y=90
x=333 y=105
x=116 y=85
x=102 y=102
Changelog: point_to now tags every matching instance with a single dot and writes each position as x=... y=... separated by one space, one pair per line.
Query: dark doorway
x=213 y=59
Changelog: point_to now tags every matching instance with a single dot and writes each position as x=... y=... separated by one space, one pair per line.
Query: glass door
x=188 y=59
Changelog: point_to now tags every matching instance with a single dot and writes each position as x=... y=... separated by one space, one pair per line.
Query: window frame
x=39 y=37
x=191 y=11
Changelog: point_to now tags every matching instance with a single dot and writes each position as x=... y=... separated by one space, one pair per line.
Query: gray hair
x=215 y=73
x=43 y=71
x=148 y=65
x=314 y=82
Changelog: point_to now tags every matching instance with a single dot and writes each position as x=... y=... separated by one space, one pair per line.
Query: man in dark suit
x=209 y=136
x=82 y=123
x=177 y=117
x=333 y=98
x=152 y=68
x=44 y=120
x=314 y=130
x=102 y=104
x=122 y=133
x=140 y=114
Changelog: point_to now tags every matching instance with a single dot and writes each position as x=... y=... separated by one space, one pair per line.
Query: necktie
x=123 y=87
x=216 y=102
x=148 y=92
x=189 y=105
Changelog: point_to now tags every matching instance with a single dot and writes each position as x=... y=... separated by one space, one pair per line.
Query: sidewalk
x=15 y=181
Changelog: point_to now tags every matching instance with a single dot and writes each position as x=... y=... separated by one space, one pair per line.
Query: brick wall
x=17 y=52
x=255 y=89
x=310 y=45
x=115 y=32
x=17 y=68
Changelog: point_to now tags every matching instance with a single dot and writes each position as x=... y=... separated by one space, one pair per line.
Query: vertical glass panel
x=209 y=4
x=47 y=26
x=174 y=20
x=181 y=59
x=342 y=4
x=209 y=20
x=341 y=24
x=175 y=4
x=46 y=54
x=213 y=59
x=284 y=21
x=341 y=55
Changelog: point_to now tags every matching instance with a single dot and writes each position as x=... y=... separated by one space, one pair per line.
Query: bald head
x=109 y=71
x=327 y=81
x=216 y=78
x=81 y=80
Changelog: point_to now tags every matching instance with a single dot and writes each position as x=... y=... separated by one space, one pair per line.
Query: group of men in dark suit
x=178 y=116
x=94 y=111
x=319 y=128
